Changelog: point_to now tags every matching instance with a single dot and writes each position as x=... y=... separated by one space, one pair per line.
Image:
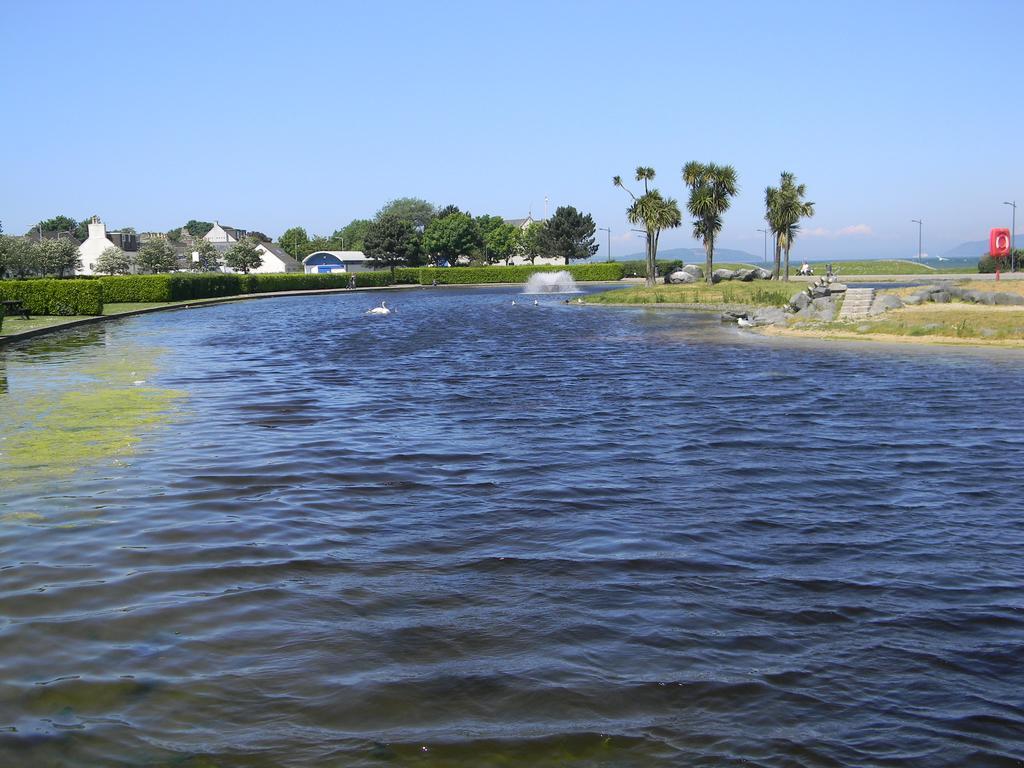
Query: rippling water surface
x=476 y=533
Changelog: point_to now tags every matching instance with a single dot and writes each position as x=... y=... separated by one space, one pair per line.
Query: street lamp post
x=1013 y=227
x=919 y=226
x=609 y=231
x=765 y=244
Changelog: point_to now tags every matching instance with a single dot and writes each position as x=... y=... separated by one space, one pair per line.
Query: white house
x=223 y=234
x=325 y=262
x=99 y=240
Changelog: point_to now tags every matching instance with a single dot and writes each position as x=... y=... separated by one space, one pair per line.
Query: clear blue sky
x=267 y=115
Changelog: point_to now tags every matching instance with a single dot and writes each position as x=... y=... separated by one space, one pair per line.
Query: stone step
x=857 y=303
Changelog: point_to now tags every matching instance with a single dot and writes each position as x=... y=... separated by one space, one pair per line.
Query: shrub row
x=87 y=297
x=520 y=274
x=639 y=268
x=55 y=297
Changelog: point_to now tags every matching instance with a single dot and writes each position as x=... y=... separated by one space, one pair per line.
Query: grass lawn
x=870 y=267
x=761 y=293
x=20 y=325
x=12 y=325
x=954 y=320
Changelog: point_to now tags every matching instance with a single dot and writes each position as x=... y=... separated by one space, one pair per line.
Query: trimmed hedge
x=519 y=274
x=122 y=289
x=87 y=296
x=55 y=297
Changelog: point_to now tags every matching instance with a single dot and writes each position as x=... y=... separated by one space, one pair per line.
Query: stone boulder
x=768 y=316
x=800 y=300
x=824 y=309
x=763 y=274
x=681 y=277
x=836 y=288
x=722 y=274
x=939 y=297
x=1002 y=298
x=694 y=270
x=884 y=302
x=745 y=275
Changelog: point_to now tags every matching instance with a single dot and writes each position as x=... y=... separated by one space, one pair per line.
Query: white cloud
x=853 y=230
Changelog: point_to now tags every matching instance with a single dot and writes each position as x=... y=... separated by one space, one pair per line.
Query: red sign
x=999 y=242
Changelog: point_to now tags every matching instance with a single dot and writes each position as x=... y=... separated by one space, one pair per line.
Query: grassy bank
x=756 y=294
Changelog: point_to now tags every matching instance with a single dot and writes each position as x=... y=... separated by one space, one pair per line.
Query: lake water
x=482 y=534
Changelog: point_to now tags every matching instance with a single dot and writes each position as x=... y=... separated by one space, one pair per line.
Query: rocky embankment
x=691 y=273
x=943 y=294
x=818 y=302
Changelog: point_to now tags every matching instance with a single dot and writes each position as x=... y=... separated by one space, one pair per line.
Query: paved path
x=856 y=303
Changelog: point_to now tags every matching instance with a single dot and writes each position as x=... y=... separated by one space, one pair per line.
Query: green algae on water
x=96 y=412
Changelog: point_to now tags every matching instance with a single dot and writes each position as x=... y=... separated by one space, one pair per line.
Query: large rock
x=745 y=275
x=763 y=274
x=680 y=276
x=914 y=299
x=768 y=316
x=940 y=297
x=694 y=270
x=1007 y=298
x=800 y=300
x=884 y=302
x=822 y=308
x=836 y=288
x=722 y=274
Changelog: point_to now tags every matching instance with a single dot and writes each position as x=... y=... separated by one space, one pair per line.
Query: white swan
x=381 y=310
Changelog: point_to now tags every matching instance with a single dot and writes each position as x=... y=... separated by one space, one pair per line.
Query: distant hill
x=696 y=256
x=975 y=248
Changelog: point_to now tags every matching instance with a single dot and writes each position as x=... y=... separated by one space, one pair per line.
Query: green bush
x=312 y=282
x=639 y=268
x=519 y=274
x=1 y=317
x=988 y=263
x=55 y=297
x=123 y=289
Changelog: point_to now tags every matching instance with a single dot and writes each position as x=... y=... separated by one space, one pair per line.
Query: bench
x=13 y=307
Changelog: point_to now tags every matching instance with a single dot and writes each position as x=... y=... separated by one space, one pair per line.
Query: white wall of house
x=93 y=246
x=271 y=263
x=218 y=235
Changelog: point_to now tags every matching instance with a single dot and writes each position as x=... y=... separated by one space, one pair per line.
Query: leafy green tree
x=18 y=257
x=484 y=225
x=244 y=256
x=784 y=207
x=81 y=232
x=174 y=235
x=157 y=256
x=113 y=261
x=712 y=188
x=450 y=238
x=294 y=242
x=655 y=212
x=56 y=224
x=59 y=257
x=352 y=236
x=502 y=241
x=413 y=209
x=531 y=242
x=448 y=210
x=391 y=242
x=198 y=228
x=569 y=234
x=203 y=257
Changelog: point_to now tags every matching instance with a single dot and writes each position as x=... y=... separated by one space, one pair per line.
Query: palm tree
x=784 y=207
x=654 y=212
x=711 y=187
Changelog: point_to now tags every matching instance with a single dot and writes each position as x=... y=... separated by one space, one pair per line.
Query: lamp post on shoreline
x=919 y=226
x=1013 y=226
x=765 y=244
x=609 y=231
